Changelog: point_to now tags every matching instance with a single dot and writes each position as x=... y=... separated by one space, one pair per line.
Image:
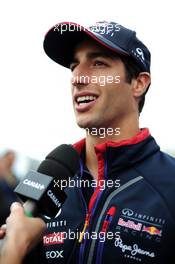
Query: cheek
x=72 y=91
x=112 y=90
x=116 y=95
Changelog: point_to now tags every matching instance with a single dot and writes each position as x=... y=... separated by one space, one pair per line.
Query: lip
x=86 y=106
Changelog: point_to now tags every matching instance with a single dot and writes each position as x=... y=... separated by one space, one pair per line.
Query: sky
x=36 y=113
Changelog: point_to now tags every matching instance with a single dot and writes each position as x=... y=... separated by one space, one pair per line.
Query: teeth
x=83 y=98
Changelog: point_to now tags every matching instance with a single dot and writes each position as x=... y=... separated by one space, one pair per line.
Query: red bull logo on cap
x=152 y=230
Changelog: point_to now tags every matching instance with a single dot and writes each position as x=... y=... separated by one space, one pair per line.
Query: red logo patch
x=53 y=239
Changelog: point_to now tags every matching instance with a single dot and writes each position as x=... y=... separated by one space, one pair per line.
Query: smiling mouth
x=81 y=100
x=85 y=102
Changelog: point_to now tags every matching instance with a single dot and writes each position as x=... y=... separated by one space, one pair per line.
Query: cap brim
x=59 y=44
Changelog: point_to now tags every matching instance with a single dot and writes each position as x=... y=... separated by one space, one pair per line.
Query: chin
x=84 y=124
x=88 y=122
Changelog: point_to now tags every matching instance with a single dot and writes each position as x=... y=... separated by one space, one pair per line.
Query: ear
x=140 y=84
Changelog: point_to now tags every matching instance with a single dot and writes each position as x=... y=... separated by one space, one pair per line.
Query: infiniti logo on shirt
x=127 y=212
x=130 y=214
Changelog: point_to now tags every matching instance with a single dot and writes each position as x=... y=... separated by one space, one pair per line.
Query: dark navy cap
x=61 y=40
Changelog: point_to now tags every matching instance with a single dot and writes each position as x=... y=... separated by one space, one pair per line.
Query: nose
x=80 y=76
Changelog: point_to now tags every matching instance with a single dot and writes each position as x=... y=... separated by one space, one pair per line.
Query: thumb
x=16 y=210
x=16 y=207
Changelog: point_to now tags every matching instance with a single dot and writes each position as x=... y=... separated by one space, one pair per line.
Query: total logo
x=54 y=254
x=53 y=239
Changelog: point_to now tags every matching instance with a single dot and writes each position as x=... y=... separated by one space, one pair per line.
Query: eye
x=100 y=63
x=73 y=65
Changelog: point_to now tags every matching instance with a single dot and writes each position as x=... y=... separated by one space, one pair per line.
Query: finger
x=40 y=224
x=2 y=234
x=3 y=227
x=2 y=231
x=16 y=209
x=7 y=220
x=15 y=206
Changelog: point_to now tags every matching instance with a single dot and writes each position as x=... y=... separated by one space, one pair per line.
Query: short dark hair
x=132 y=70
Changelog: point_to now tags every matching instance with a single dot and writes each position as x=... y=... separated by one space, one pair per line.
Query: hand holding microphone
x=40 y=191
x=21 y=233
x=41 y=195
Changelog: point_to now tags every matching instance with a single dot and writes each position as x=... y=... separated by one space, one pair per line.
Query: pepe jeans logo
x=133 y=249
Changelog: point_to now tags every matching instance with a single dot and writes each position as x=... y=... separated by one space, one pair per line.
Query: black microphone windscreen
x=62 y=162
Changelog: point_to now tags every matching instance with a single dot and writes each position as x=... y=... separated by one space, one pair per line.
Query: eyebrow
x=103 y=54
x=95 y=54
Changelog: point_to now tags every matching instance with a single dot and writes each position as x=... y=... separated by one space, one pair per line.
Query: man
x=120 y=208
x=21 y=234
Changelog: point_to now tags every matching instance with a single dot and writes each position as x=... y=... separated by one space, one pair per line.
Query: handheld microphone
x=40 y=190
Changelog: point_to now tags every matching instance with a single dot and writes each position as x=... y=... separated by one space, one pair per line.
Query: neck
x=128 y=128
